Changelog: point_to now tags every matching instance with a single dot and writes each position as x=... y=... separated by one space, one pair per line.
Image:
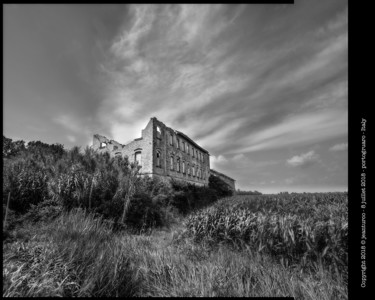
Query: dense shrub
x=160 y=190
x=221 y=188
x=144 y=214
x=11 y=148
x=44 y=211
x=26 y=182
x=43 y=149
x=71 y=188
x=91 y=180
x=188 y=197
x=239 y=192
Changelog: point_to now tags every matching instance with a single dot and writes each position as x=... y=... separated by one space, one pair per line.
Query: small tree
x=11 y=148
x=127 y=179
x=131 y=182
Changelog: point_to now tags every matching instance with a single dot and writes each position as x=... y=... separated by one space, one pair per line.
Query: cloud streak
x=164 y=64
x=339 y=147
x=303 y=160
x=297 y=130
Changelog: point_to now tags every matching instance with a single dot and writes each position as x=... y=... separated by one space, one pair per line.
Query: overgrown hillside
x=84 y=224
x=43 y=180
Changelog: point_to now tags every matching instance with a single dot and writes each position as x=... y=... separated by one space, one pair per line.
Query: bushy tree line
x=42 y=180
x=41 y=175
x=239 y=192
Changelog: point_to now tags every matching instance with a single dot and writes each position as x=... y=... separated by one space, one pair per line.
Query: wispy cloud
x=337 y=23
x=79 y=130
x=68 y=122
x=339 y=147
x=239 y=164
x=239 y=157
x=303 y=160
x=164 y=64
x=297 y=130
x=71 y=138
x=290 y=180
x=215 y=161
x=174 y=63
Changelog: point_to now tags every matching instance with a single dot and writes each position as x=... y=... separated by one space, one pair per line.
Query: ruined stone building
x=163 y=151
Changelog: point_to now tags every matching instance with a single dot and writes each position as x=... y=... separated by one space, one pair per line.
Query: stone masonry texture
x=164 y=152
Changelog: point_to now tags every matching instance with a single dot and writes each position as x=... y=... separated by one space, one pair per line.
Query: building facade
x=162 y=151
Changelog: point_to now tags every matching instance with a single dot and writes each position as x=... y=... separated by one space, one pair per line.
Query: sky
x=264 y=88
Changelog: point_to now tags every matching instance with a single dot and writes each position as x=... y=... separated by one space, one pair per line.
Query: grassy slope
x=77 y=255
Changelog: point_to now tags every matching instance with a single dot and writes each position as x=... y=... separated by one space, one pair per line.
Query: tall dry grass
x=75 y=255
x=78 y=254
x=304 y=231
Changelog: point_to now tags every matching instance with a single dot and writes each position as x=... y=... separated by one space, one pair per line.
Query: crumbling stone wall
x=176 y=155
x=165 y=152
x=142 y=145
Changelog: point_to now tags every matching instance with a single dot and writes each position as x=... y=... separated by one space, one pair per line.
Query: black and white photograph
x=178 y=150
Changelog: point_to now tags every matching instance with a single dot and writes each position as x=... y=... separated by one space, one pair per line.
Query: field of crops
x=308 y=230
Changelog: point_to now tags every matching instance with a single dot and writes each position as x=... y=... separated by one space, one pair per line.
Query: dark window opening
x=138 y=157
x=158 y=159
x=171 y=163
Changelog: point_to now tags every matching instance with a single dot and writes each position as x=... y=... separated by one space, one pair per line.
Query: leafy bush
x=143 y=214
x=11 y=148
x=43 y=212
x=95 y=181
x=43 y=149
x=221 y=188
x=188 y=197
x=26 y=182
x=161 y=191
x=72 y=188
